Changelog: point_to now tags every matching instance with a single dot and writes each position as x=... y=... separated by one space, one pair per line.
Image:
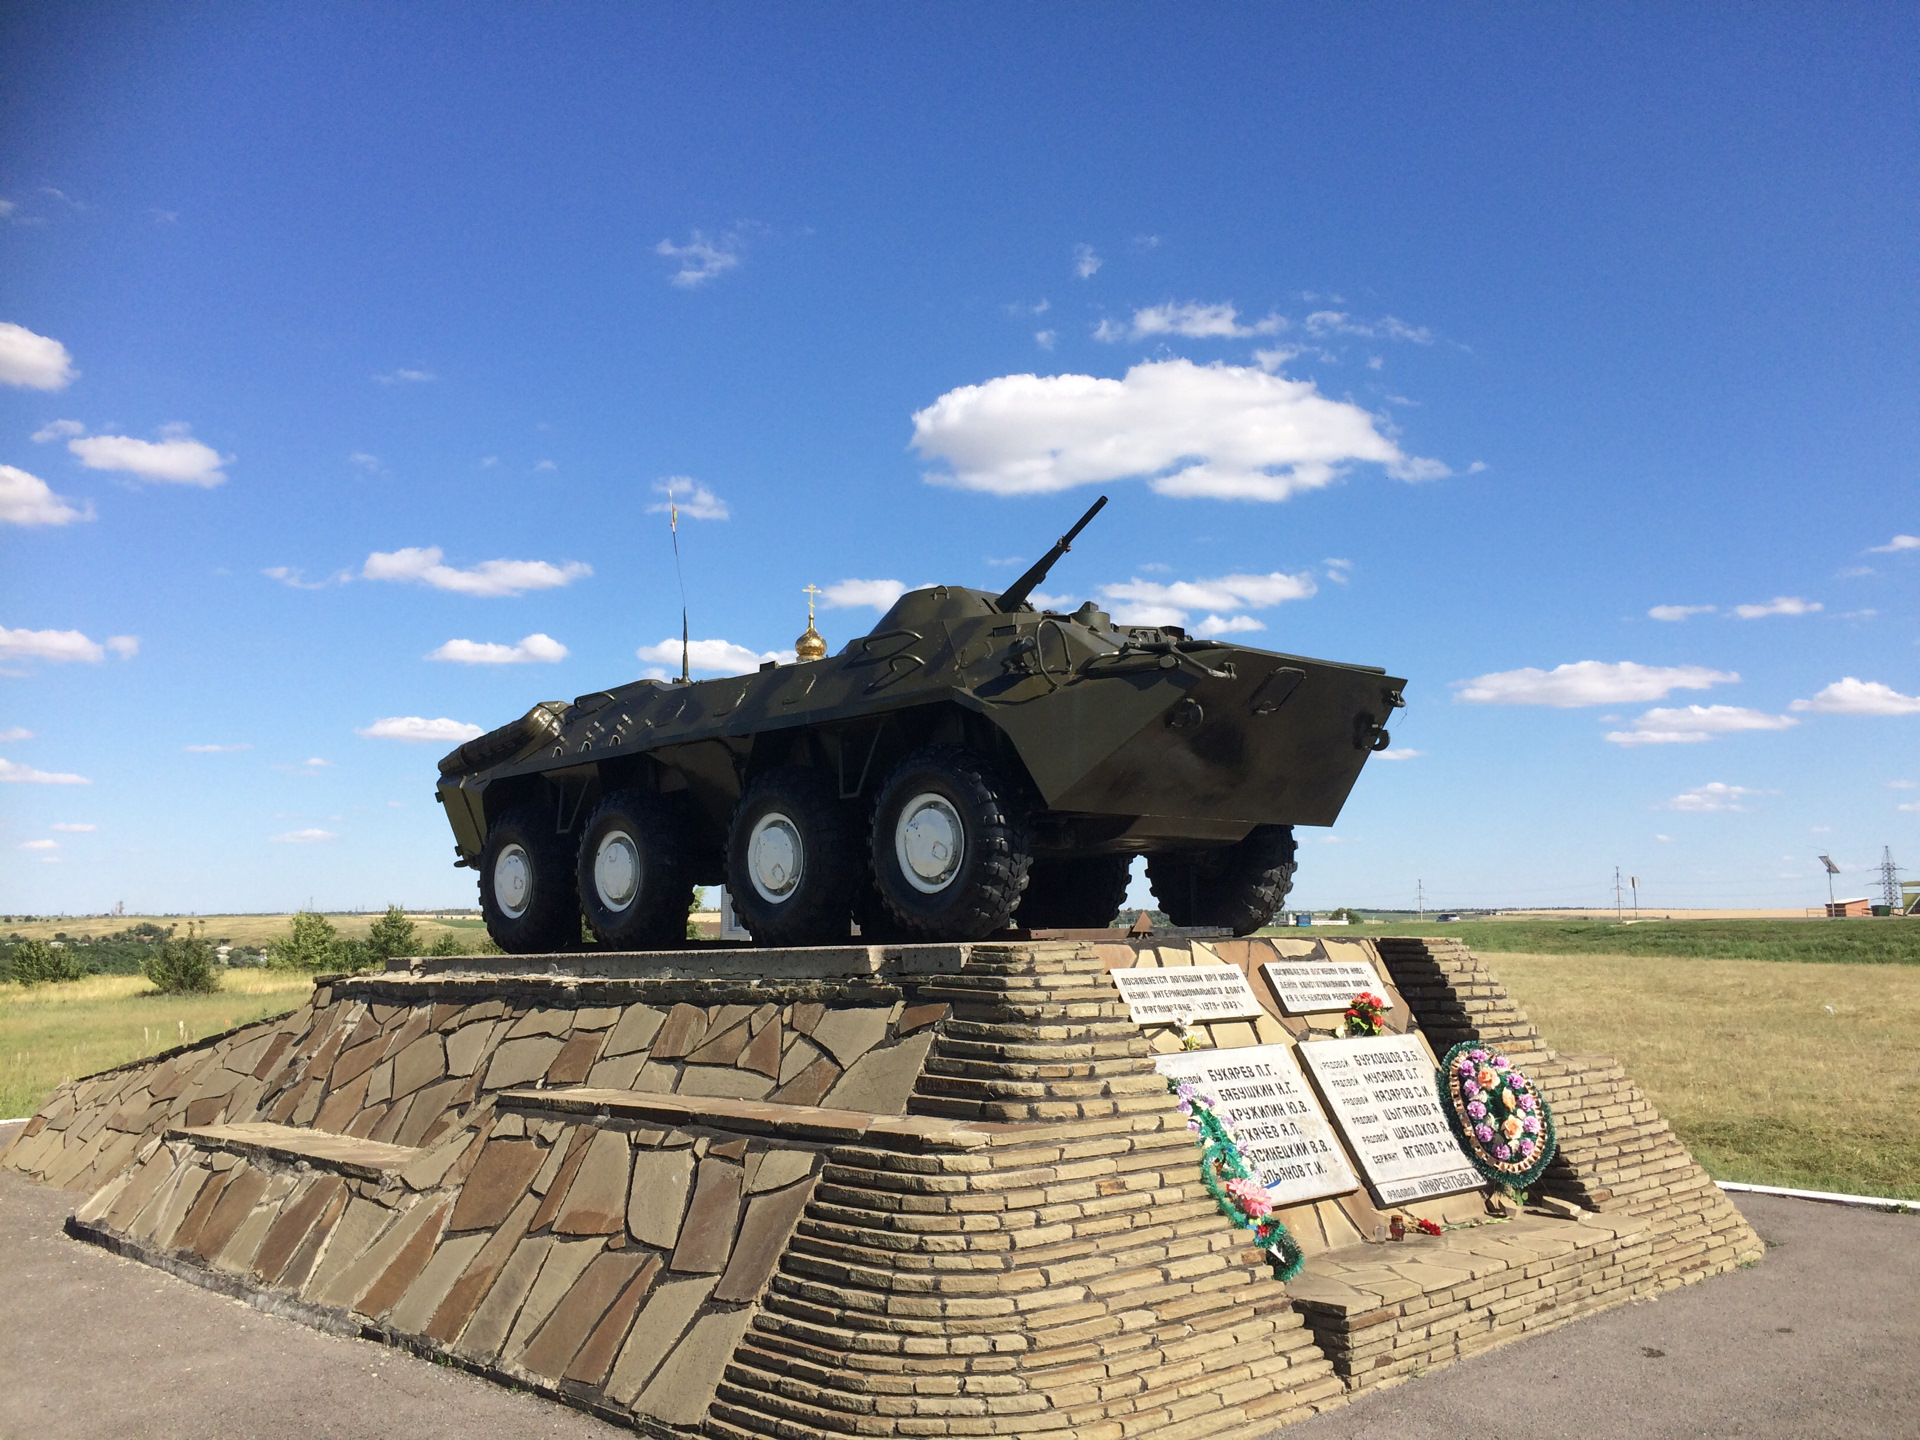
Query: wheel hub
x=776 y=857
x=616 y=870
x=930 y=843
x=513 y=881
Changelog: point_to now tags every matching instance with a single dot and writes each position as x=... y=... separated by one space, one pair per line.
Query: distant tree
x=446 y=943
x=35 y=962
x=312 y=944
x=183 y=967
x=392 y=934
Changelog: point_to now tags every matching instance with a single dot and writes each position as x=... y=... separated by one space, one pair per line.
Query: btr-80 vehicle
x=970 y=764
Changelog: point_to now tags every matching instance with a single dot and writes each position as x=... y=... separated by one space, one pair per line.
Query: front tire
x=1240 y=887
x=1080 y=894
x=793 y=860
x=631 y=873
x=526 y=885
x=950 y=854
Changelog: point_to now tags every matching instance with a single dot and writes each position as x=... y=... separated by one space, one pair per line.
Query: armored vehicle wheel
x=950 y=854
x=526 y=885
x=793 y=860
x=631 y=873
x=1074 y=894
x=1239 y=886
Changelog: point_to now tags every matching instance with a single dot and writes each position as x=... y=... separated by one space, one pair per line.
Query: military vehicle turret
x=969 y=764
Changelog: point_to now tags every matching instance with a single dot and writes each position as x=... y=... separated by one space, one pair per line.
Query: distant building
x=1839 y=909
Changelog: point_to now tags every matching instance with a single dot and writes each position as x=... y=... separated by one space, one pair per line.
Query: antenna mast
x=673 y=527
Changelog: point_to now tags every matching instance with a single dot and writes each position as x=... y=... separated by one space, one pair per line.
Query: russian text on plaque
x=1270 y=1109
x=1191 y=994
x=1380 y=1092
x=1307 y=987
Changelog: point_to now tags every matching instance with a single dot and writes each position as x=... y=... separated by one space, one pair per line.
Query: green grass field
x=1881 y=941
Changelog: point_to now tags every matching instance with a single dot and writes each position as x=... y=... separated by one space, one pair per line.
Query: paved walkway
x=1823 y=1339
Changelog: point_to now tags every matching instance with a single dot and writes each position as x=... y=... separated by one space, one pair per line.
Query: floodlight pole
x=1618 y=909
x=1832 y=870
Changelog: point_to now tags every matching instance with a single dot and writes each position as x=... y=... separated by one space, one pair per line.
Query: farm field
x=251 y=931
x=1880 y=941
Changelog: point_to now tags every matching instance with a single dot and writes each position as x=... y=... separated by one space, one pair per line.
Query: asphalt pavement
x=1822 y=1339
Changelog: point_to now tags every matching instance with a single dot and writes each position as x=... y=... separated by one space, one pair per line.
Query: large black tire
x=794 y=862
x=949 y=846
x=526 y=885
x=1241 y=887
x=1074 y=894
x=631 y=873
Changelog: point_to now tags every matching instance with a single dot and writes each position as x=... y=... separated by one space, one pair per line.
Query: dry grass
x=51 y=1032
x=252 y=931
x=1772 y=1072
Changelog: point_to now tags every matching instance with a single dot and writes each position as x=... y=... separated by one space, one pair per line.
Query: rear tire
x=1074 y=894
x=526 y=885
x=631 y=873
x=1240 y=887
x=793 y=860
x=949 y=846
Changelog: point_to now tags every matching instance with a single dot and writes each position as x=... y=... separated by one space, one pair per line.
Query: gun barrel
x=1016 y=594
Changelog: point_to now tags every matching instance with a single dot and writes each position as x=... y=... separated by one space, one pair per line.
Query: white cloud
x=176 y=458
x=1045 y=338
x=1914 y=806
x=39 y=844
x=1859 y=697
x=1149 y=602
x=28 y=500
x=1336 y=322
x=214 y=749
x=1587 y=682
x=1224 y=431
x=17 y=732
x=57 y=430
x=541 y=648
x=1400 y=753
x=1779 y=605
x=33 y=362
x=700 y=259
x=1340 y=570
x=851 y=594
x=1666 y=838
x=303 y=837
x=1194 y=320
x=415 y=730
x=1086 y=264
x=489 y=577
x=1213 y=625
x=62 y=646
x=1899 y=542
x=1711 y=797
x=406 y=377
x=712 y=657
x=74 y=829
x=1691 y=724
x=296 y=579
x=1041 y=600
x=1679 y=612
x=546 y=465
x=361 y=460
x=695 y=500
x=27 y=775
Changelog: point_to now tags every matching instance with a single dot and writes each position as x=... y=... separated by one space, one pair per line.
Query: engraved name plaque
x=1280 y=1127
x=1193 y=993
x=1380 y=1092
x=1307 y=987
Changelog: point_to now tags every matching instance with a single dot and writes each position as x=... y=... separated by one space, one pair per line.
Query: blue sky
x=1474 y=344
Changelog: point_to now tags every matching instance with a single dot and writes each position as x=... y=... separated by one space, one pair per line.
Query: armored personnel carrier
x=968 y=765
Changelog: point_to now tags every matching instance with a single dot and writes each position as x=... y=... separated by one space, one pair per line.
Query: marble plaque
x=1280 y=1127
x=1308 y=987
x=1195 y=994
x=1380 y=1092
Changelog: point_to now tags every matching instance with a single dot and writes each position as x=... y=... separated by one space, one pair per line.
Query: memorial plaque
x=1265 y=1101
x=1194 y=994
x=1307 y=987
x=1380 y=1092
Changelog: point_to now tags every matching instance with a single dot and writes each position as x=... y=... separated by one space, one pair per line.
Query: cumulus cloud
x=176 y=458
x=1859 y=697
x=422 y=565
x=214 y=749
x=1339 y=570
x=1212 y=625
x=303 y=837
x=1899 y=542
x=296 y=579
x=1691 y=724
x=1045 y=338
x=419 y=731
x=57 y=430
x=16 y=732
x=28 y=500
x=695 y=500
x=1338 y=322
x=1193 y=320
x=534 y=648
x=1779 y=605
x=27 y=775
x=405 y=377
x=1149 y=602
x=39 y=844
x=33 y=362
x=711 y=657
x=1711 y=797
x=851 y=594
x=700 y=259
x=1679 y=612
x=1227 y=432
x=1086 y=264
x=62 y=646
x=1401 y=753
x=1587 y=682
x=74 y=829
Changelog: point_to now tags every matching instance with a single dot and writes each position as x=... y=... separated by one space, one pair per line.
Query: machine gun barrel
x=1016 y=594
